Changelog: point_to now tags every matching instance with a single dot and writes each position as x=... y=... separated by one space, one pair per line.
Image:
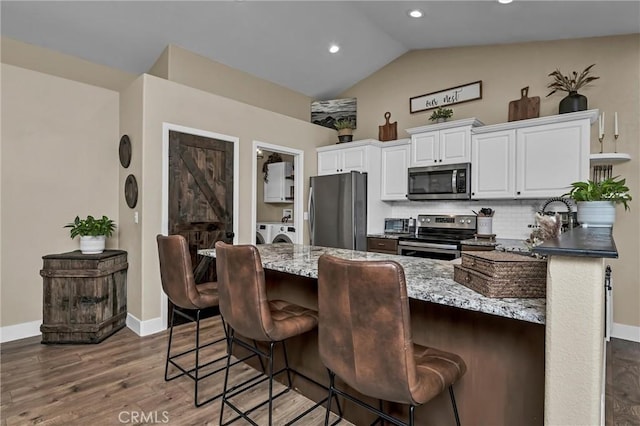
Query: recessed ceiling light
x=504 y=1
x=416 y=13
x=334 y=48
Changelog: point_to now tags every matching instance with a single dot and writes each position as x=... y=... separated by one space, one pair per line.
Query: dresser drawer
x=382 y=245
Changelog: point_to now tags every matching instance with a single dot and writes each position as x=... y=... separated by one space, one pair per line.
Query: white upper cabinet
x=395 y=163
x=493 y=164
x=536 y=158
x=443 y=143
x=344 y=158
x=279 y=185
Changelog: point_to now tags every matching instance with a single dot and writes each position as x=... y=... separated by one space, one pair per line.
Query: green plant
x=441 y=113
x=91 y=227
x=343 y=123
x=570 y=83
x=610 y=189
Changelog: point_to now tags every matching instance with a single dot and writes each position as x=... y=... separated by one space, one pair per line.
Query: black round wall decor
x=131 y=191
x=125 y=151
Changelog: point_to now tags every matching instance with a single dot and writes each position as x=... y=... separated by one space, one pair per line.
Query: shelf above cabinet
x=609 y=158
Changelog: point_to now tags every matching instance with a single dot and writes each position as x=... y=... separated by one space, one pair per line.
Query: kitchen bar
x=501 y=340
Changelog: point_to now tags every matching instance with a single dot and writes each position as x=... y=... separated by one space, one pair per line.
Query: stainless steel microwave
x=446 y=182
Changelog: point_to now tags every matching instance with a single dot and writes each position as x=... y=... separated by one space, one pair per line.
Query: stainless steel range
x=438 y=236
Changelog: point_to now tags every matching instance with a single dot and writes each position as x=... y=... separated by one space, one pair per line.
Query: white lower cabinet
x=529 y=160
x=395 y=163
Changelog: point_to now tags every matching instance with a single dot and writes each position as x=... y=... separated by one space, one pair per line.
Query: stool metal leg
x=453 y=403
x=166 y=365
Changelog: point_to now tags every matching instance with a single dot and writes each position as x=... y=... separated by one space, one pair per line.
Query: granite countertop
x=500 y=244
x=388 y=236
x=428 y=280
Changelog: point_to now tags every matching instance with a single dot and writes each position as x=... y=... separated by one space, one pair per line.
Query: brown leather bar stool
x=179 y=285
x=245 y=307
x=364 y=336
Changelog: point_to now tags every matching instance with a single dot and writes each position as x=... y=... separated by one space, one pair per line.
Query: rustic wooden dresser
x=84 y=296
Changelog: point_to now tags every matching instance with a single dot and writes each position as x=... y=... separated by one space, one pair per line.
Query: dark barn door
x=200 y=196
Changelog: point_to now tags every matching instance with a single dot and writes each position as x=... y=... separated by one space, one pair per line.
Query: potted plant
x=92 y=232
x=441 y=114
x=345 y=127
x=596 y=200
x=570 y=84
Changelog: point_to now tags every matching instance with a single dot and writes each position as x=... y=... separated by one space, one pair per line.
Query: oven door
x=428 y=250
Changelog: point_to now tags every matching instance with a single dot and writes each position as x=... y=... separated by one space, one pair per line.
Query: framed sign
x=455 y=95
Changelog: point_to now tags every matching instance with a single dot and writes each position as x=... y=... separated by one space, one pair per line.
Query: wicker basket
x=501 y=274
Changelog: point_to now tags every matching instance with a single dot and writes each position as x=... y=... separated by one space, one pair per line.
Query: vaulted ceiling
x=286 y=42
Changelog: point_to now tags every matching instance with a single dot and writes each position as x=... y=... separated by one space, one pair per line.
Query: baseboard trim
x=147 y=327
x=23 y=330
x=626 y=332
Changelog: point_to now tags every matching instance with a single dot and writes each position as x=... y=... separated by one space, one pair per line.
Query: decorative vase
x=345 y=135
x=573 y=102
x=92 y=245
x=596 y=214
x=441 y=120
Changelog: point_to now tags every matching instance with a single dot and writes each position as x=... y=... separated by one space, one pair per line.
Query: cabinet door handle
x=518 y=192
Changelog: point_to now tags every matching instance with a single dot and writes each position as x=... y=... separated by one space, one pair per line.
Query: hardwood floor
x=120 y=381
x=623 y=383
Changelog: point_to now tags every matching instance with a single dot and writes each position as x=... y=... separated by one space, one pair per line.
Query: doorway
x=200 y=186
x=275 y=213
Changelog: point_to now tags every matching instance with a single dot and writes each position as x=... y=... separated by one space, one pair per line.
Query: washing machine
x=263 y=233
x=283 y=233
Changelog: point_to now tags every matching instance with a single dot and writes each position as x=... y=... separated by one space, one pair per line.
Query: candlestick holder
x=615 y=143
x=601 y=138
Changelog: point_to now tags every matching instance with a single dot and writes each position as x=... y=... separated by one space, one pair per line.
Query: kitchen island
x=501 y=340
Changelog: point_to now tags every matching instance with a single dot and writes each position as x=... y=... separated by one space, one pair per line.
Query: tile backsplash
x=510 y=220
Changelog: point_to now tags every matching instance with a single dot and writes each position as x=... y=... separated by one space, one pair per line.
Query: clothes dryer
x=263 y=233
x=283 y=233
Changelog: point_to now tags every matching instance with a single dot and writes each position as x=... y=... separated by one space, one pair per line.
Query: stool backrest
x=176 y=271
x=364 y=333
x=241 y=286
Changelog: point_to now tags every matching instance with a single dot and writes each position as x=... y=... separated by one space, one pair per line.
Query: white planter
x=92 y=245
x=596 y=214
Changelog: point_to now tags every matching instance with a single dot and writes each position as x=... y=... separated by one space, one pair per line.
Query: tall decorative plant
x=571 y=84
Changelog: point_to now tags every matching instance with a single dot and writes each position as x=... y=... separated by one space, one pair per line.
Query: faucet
x=566 y=202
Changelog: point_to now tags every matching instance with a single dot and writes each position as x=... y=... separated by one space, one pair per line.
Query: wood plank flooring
x=120 y=381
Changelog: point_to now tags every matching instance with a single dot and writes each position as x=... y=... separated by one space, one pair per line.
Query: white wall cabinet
x=279 y=185
x=443 y=143
x=536 y=158
x=361 y=156
x=394 y=167
x=343 y=160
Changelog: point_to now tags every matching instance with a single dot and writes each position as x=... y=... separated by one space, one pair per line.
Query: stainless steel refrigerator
x=338 y=211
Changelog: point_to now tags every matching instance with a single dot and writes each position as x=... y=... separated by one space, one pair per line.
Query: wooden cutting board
x=388 y=131
x=524 y=107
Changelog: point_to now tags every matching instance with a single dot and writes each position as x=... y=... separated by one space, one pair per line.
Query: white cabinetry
x=444 y=143
x=278 y=188
x=343 y=160
x=536 y=158
x=360 y=156
x=395 y=163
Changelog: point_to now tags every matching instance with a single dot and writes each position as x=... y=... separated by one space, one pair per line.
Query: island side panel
x=504 y=383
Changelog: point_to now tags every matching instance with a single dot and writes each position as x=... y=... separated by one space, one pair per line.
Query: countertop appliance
x=438 y=236
x=338 y=211
x=446 y=182
x=393 y=225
